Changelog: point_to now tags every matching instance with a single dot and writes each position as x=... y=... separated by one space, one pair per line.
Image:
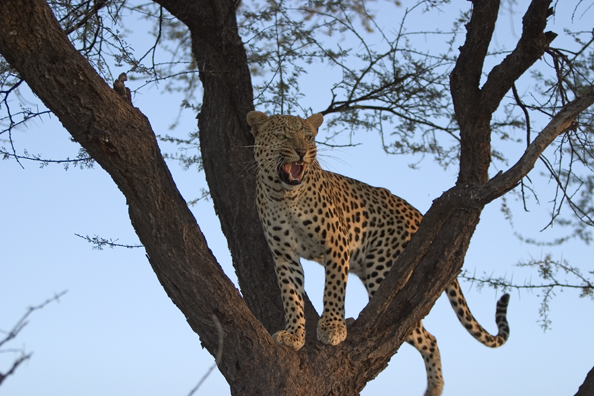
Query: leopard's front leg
x=332 y=326
x=289 y=274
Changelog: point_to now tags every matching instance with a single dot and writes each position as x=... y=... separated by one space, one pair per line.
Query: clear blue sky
x=116 y=332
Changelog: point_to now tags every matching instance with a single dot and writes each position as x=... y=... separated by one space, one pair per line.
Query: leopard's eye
x=309 y=138
x=280 y=136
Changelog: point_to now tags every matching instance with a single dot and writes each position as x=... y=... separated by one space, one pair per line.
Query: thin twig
x=100 y=242
x=13 y=333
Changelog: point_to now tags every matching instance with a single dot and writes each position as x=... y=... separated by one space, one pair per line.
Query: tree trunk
x=119 y=137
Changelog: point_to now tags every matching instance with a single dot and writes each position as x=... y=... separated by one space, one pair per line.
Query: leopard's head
x=285 y=145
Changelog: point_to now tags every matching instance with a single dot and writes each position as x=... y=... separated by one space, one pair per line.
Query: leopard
x=343 y=224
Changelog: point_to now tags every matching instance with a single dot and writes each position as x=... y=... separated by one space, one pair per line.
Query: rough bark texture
x=227 y=147
x=119 y=137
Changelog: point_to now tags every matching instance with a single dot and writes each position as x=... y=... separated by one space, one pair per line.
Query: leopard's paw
x=332 y=332
x=283 y=337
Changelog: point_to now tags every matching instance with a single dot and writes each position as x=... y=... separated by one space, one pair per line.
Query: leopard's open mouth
x=292 y=172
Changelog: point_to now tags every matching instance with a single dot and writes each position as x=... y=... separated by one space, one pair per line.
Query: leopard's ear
x=255 y=119
x=315 y=121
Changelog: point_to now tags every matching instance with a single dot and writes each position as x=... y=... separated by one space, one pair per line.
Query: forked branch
x=564 y=119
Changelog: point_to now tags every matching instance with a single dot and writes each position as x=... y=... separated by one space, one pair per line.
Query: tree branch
x=531 y=46
x=563 y=120
x=587 y=388
x=474 y=107
x=472 y=117
x=16 y=329
x=466 y=76
x=224 y=134
x=119 y=137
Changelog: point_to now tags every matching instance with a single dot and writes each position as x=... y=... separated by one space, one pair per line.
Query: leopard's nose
x=301 y=153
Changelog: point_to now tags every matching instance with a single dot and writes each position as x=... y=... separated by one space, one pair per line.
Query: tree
x=119 y=138
x=14 y=332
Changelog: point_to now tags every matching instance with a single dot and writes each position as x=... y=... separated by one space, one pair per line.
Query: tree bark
x=119 y=137
x=226 y=146
x=587 y=388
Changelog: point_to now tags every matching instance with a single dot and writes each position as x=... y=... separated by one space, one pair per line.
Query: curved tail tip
x=501 y=319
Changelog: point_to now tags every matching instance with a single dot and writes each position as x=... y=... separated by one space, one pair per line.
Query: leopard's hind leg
x=426 y=344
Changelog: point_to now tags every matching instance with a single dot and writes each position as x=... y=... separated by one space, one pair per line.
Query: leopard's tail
x=460 y=306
